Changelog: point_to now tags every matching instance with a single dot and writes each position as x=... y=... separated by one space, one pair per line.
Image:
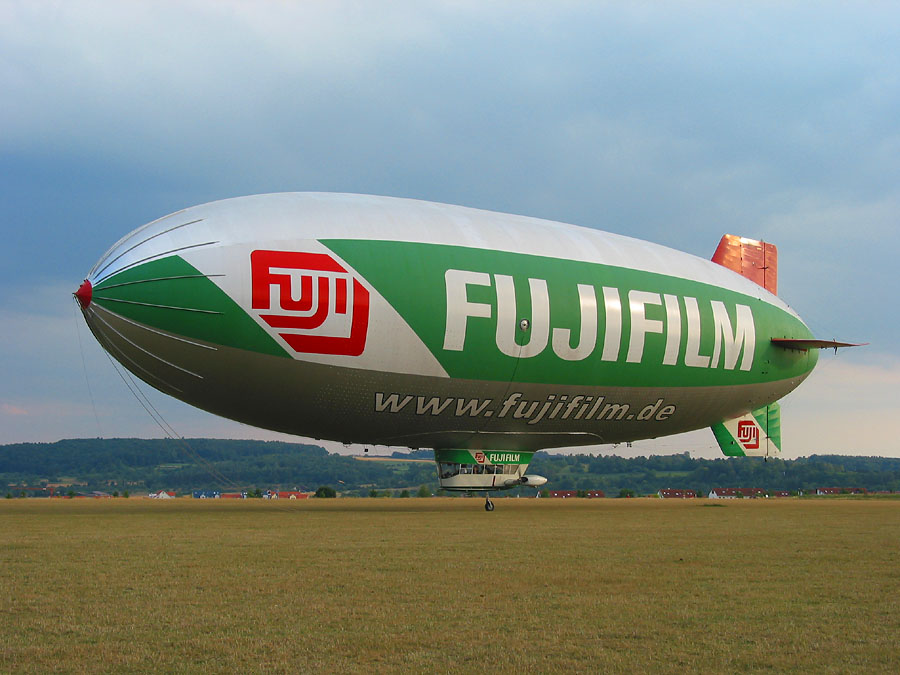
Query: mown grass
x=438 y=585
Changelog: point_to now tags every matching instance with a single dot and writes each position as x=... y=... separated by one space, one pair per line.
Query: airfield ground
x=438 y=585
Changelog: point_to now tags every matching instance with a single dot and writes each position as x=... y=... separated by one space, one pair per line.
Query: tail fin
x=756 y=260
x=756 y=434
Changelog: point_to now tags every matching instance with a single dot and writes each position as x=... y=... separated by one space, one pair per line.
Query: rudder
x=756 y=434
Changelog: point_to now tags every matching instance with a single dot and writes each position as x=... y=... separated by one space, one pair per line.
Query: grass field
x=438 y=585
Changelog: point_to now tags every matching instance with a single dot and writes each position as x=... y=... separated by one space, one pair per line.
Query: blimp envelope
x=381 y=320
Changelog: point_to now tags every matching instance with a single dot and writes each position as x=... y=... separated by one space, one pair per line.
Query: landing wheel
x=488 y=504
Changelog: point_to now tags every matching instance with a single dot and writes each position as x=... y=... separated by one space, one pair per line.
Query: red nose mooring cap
x=84 y=294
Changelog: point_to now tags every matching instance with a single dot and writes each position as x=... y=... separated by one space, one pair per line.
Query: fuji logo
x=748 y=435
x=316 y=305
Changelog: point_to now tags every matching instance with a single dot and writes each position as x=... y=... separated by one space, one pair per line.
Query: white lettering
x=744 y=335
x=692 y=356
x=587 y=338
x=612 y=338
x=640 y=324
x=508 y=319
x=459 y=309
x=673 y=330
x=521 y=334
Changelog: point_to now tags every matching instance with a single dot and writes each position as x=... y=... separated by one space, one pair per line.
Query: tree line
x=195 y=464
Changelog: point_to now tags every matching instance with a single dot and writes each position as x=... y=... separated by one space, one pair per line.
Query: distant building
x=290 y=494
x=669 y=493
x=233 y=495
x=781 y=493
x=162 y=494
x=206 y=494
x=737 y=493
x=594 y=494
x=838 y=491
x=563 y=494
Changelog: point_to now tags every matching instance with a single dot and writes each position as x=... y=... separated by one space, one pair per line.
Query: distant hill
x=142 y=465
x=645 y=475
x=199 y=463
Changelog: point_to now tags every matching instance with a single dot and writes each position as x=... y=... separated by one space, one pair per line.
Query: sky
x=672 y=122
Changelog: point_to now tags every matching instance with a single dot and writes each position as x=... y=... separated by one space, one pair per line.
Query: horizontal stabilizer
x=756 y=434
x=805 y=345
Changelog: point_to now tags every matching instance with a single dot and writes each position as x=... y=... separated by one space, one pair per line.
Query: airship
x=484 y=336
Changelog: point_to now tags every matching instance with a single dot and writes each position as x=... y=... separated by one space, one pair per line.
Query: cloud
x=148 y=71
x=200 y=85
x=630 y=118
x=847 y=406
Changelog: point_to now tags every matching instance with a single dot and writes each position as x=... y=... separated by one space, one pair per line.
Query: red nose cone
x=84 y=294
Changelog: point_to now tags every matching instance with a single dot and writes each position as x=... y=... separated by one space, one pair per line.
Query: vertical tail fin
x=756 y=434
x=756 y=260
